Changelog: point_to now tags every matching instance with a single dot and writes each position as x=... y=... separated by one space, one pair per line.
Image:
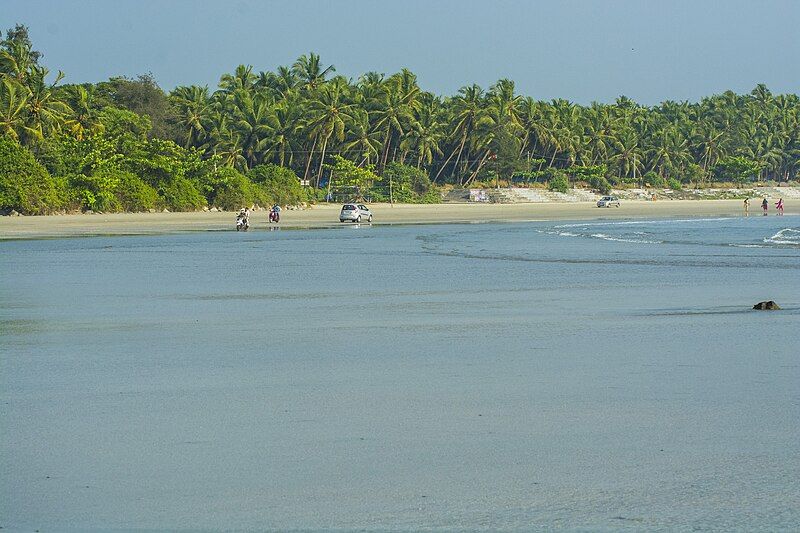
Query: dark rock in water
x=765 y=306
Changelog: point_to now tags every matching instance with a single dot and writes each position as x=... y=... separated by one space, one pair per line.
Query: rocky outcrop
x=766 y=306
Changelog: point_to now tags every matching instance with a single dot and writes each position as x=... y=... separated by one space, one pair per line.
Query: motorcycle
x=274 y=216
x=242 y=224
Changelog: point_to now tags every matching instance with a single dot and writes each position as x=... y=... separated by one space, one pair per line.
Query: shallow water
x=606 y=375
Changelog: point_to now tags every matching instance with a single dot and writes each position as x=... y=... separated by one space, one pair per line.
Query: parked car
x=608 y=201
x=355 y=213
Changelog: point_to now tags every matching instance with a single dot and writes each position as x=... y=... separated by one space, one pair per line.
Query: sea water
x=596 y=375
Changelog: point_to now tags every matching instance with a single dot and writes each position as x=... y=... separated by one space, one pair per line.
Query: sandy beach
x=327 y=215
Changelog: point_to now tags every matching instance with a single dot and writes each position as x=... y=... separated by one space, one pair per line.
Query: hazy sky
x=579 y=50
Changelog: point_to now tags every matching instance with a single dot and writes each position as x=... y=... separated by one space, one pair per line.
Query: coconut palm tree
x=330 y=112
x=310 y=73
x=193 y=106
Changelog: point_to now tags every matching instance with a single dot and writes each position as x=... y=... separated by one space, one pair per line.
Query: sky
x=579 y=50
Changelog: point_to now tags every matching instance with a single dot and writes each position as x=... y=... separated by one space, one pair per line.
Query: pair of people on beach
x=764 y=206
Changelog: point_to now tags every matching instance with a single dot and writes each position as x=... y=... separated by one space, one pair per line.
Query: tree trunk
x=444 y=165
x=322 y=160
x=310 y=155
x=385 y=154
x=475 y=174
x=460 y=150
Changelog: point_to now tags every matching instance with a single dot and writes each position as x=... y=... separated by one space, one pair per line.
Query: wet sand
x=327 y=215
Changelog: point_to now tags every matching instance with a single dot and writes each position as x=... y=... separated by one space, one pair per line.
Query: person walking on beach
x=747 y=207
x=779 y=206
x=765 y=206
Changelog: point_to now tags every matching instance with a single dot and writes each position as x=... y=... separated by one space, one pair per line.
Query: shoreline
x=326 y=216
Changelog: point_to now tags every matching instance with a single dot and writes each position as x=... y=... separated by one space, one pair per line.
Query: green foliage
x=558 y=182
x=408 y=184
x=654 y=180
x=180 y=194
x=344 y=172
x=674 y=184
x=736 y=169
x=134 y=194
x=229 y=189
x=600 y=184
x=302 y=117
x=281 y=184
x=145 y=98
x=25 y=185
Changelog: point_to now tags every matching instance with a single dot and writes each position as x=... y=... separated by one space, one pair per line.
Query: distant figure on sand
x=746 y=206
x=779 y=206
x=765 y=206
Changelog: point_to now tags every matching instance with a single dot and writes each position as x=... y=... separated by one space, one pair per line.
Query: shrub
x=600 y=183
x=134 y=194
x=95 y=193
x=558 y=182
x=654 y=180
x=674 y=184
x=180 y=194
x=280 y=184
x=25 y=185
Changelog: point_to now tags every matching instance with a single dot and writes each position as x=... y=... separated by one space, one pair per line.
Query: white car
x=608 y=201
x=355 y=213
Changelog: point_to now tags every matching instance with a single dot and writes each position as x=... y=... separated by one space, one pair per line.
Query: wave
x=622 y=239
x=786 y=236
x=636 y=222
x=604 y=237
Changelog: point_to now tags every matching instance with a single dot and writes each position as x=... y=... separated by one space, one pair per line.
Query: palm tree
x=254 y=122
x=286 y=126
x=13 y=104
x=363 y=141
x=83 y=120
x=193 y=107
x=330 y=111
x=426 y=132
x=242 y=79
x=46 y=114
x=468 y=109
x=308 y=70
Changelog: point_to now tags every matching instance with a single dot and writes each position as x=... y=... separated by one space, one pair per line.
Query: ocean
x=604 y=375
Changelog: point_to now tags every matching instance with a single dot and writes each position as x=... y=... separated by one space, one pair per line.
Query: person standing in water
x=747 y=207
x=779 y=206
x=765 y=206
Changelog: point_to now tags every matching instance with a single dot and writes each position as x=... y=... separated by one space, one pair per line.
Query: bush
x=674 y=184
x=280 y=184
x=654 y=180
x=600 y=184
x=25 y=185
x=95 y=193
x=433 y=196
x=134 y=194
x=180 y=194
x=558 y=182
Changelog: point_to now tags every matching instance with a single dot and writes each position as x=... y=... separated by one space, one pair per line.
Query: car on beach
x=355 y=213
x=608 y=201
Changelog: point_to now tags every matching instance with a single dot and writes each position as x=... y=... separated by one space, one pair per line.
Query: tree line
x=127 y=144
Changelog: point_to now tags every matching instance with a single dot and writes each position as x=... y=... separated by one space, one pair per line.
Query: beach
x=326 y=215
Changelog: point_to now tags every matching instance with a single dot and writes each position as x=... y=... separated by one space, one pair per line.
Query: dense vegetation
x=125 y=144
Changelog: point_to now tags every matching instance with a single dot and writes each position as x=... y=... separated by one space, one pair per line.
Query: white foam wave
x=621 y=239
x=785 y=236
x=635 y=222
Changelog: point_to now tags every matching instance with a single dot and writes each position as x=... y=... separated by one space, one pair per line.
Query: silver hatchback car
x=355 y=213
x=608 y=201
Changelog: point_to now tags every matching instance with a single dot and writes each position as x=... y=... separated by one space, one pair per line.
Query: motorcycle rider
x=243 y=218
x=275 y=213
